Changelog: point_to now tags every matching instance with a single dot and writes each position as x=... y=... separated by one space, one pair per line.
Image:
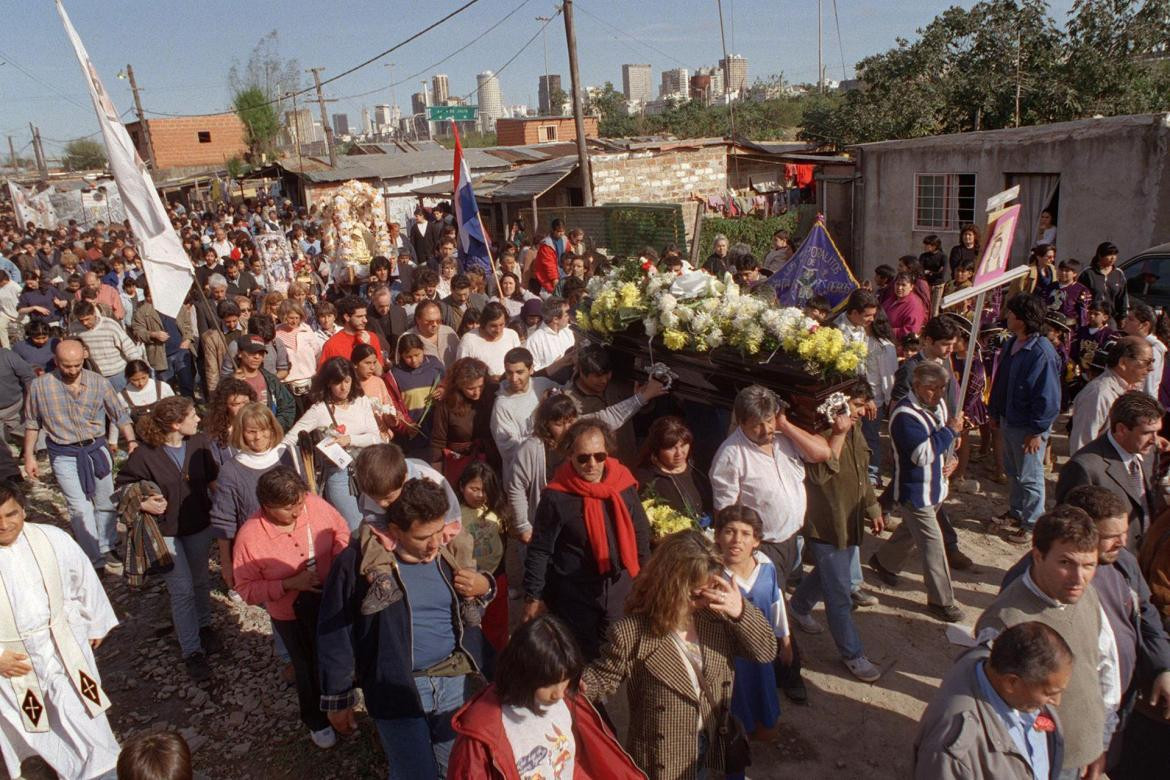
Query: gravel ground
x=243 y=722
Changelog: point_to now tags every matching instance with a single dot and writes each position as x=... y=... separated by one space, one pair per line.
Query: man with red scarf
x=589 y=540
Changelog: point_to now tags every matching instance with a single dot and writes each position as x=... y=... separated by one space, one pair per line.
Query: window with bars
x=943 y=201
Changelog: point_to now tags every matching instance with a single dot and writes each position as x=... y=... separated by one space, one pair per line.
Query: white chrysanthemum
x=667 y=302
x=701 y=321
x=651 y=326
x=668 y=319
x=684 y=313
x=714 y=338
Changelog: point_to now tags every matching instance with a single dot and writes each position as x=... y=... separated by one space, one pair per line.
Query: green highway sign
x=458 y=113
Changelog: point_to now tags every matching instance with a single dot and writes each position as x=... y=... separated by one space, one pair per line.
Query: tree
x=1002 y=63
x=609 y=106
x=260 y=88
x=557 y=100
x=259 y=116
x=84 y=154
x=236 y=170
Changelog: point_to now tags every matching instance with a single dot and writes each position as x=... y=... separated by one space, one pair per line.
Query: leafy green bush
x=755 y=232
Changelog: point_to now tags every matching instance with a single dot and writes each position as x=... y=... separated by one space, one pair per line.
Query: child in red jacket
x=532 y=722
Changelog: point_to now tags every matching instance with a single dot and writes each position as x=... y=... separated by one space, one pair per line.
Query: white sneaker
x=862 y=669
x=806 y=622
x=325 y=738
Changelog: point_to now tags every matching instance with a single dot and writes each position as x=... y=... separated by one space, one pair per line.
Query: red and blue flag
x=473 y=242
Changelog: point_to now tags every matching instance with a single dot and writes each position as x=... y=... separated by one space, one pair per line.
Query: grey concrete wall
x=1114 y=184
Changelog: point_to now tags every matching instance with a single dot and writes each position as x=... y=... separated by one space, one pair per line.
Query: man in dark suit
x=1117 y=460
x=423 y=237
x=387 y=319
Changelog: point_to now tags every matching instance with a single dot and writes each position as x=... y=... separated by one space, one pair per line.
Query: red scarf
x=616 y=479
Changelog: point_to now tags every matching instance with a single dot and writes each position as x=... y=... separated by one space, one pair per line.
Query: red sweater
x=341 y=344
x=482 y=750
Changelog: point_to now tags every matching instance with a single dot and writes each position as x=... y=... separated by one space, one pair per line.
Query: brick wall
x=518 y=132
x=176 y=141
x=658 y=177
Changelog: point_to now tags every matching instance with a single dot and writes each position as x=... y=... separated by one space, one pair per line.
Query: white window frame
x=548 y=133
x=952 y=221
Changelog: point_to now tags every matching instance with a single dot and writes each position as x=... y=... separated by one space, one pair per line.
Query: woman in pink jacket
x=281 y=556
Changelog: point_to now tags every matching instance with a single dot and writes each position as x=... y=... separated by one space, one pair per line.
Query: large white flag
x=168 y=269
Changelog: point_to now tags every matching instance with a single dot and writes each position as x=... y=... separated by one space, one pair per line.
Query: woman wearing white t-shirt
x=343 y=411
x=491 y=341
x=532 y=722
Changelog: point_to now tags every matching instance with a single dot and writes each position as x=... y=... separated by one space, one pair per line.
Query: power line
x=840 y=46
x=344 y=73
x=41 y=81
x=499 y=70
x=458 y=50
x=624 y=34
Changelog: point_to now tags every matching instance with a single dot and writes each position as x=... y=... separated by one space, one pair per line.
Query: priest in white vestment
x=53 y=611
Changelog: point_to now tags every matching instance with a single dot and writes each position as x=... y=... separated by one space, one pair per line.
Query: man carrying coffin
x=52 y=612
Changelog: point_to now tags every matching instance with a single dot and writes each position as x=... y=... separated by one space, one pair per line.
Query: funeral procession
x=585 y=390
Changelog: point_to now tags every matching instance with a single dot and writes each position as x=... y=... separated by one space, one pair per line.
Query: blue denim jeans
x=338 y=494
x=1025 y=475
x=872 y=431
x=189 y=586
x=855 y=577
x=94 y=521
x=831 y=579
x=117 y=381
x=181 y=369
x=418 y=748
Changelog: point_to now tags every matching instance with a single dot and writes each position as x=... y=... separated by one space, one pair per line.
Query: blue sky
x=181 y=51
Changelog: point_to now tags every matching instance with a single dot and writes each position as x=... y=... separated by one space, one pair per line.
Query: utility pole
x=820 y=48
x=296 y=129
x=324 y=117
x=42 y=168
x=578 y=108
x=141 y=116
x=1018 y=44
x=544 y=37
x=11 y=154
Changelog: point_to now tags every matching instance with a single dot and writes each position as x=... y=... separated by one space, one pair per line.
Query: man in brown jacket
x=840 y=501
x=213 y=344
x=993 y=716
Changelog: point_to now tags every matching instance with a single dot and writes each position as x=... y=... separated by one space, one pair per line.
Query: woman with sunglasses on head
x=590 y=537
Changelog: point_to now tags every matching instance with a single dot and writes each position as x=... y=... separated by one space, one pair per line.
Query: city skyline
x=175 y=78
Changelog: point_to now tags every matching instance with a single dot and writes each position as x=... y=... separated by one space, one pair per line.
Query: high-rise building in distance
x=440 y=89
x=418 y=110
x=367 y=123
x=675 y=81
x=381 y=117
x=735 y=72
x=546 y=86
x=341 y=124
x=491 y=102
x=636 y=82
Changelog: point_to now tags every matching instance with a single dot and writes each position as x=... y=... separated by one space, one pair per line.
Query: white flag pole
x=168 y=268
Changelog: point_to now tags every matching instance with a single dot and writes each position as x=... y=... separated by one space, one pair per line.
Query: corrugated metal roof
x=534 y=180
x=400 y=146
x=401 y=166
x=522 y=183
x=1052 y=133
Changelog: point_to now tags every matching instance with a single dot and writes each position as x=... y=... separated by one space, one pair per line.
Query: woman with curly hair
x=684 y=626
x=177 y=458
x=231 y=395
x=461 y=431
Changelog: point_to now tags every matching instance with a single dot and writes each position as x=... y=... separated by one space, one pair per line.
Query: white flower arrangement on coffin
x=697 y=312
x=358 y=230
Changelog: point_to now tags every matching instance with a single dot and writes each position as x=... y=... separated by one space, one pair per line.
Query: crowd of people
x=433 y=483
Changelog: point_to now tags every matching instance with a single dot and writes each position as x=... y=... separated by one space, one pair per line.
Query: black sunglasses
x=585 y=457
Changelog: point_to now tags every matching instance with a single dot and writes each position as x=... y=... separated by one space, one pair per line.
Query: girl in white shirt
x=343 y=413
x=142 y=391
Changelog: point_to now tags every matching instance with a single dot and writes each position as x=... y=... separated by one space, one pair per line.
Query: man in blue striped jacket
x=922 y=434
